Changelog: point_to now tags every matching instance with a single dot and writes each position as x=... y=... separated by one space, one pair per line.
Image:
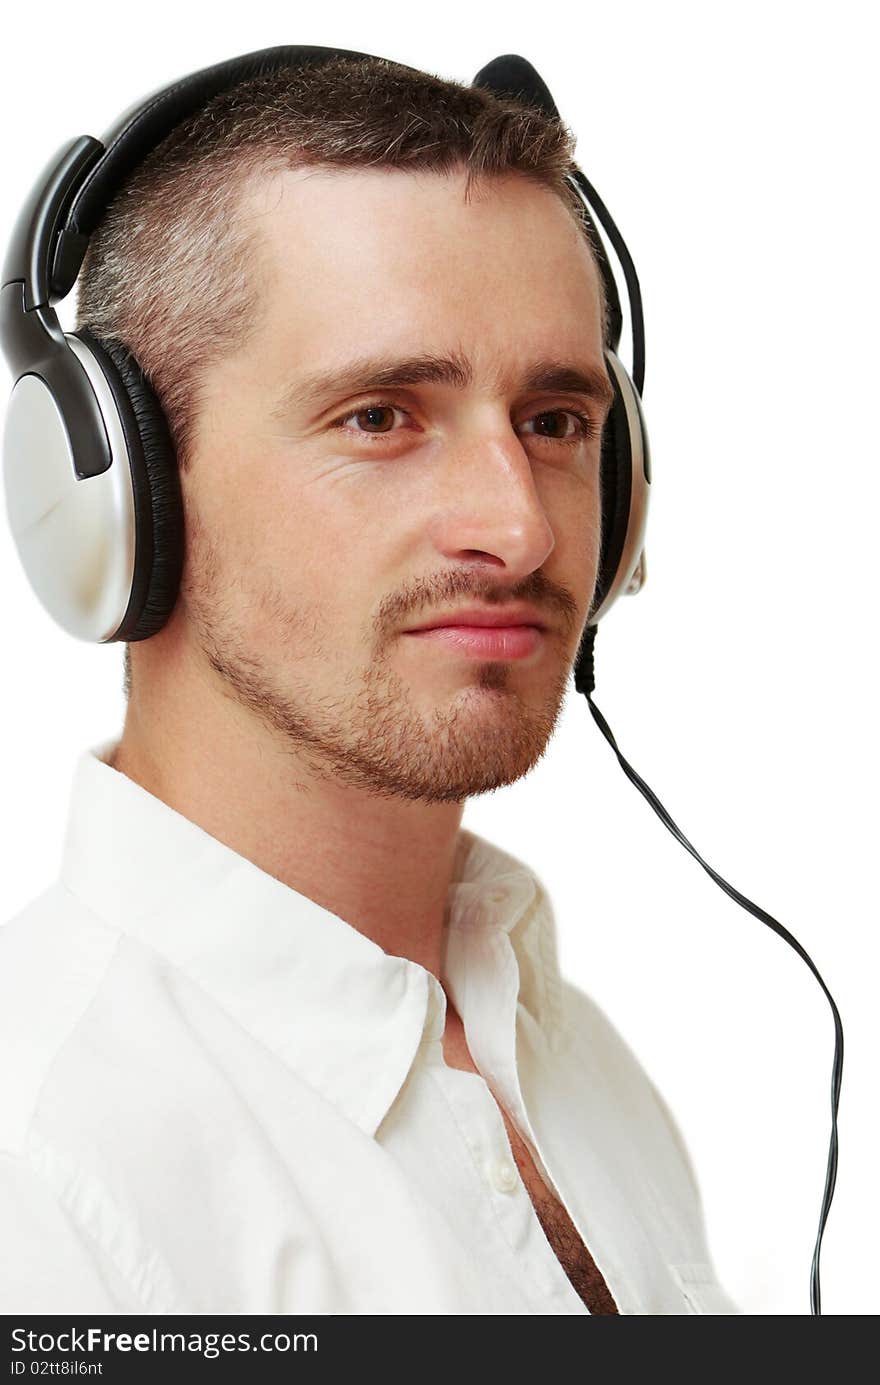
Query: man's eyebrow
x=386 y=372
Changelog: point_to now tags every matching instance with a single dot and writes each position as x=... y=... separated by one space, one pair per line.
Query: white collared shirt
x=217 y=1096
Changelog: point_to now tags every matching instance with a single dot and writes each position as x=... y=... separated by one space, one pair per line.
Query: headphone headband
x=51 y=234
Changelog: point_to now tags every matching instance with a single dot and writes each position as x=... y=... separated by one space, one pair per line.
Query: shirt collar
x=331 y=1003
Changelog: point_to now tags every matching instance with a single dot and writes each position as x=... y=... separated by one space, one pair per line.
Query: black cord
x=585 y=683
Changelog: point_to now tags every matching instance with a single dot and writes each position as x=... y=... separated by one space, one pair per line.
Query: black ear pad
x=616 y=495
x=155 y=479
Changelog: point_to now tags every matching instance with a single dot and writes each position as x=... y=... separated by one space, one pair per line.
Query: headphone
x=92 y=488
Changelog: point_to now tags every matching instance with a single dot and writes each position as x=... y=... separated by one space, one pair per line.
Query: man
x=285 y=1036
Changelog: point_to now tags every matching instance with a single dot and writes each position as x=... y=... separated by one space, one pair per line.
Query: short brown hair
x=172 y=275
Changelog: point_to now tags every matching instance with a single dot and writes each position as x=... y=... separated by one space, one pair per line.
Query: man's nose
x=489 y=504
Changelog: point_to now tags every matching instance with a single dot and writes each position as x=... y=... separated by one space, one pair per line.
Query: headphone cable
x=585 y=683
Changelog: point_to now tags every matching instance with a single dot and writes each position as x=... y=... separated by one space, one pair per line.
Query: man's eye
x=584 y=427
x=379 y=421
x=373 y=413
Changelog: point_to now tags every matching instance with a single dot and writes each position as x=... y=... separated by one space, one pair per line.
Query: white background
x=735 y=148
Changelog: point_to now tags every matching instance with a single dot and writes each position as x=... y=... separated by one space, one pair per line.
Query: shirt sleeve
x=47 y=1264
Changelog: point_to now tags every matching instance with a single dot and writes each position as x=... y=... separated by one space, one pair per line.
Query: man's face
x=321 y=526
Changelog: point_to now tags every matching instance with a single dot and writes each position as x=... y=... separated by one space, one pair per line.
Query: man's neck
x=382 y=865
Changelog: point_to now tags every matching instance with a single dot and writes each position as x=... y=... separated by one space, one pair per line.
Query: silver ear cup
x=631 y=493
x=75 y=536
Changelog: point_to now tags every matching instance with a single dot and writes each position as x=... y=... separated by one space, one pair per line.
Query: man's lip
x=483 y=641
x=475 y=625
x=476 y=619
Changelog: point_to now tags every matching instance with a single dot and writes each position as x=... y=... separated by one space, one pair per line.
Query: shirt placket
x=482 y=1127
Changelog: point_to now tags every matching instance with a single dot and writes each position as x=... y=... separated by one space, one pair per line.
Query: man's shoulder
x=52 y=918
x=589 y=1026
x=94 y=1019
x=586 y=1020
x=54 y=955
x=617 y=1072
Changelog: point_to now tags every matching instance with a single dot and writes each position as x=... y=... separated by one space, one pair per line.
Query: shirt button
x=504 y=1176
